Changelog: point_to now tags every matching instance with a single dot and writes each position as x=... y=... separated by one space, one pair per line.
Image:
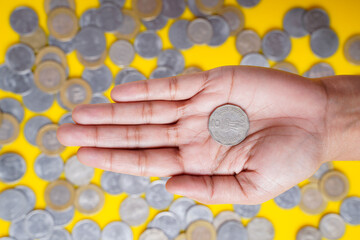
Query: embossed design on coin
x=39 y=224
x=332 y=226
x=134 y=211
x=89 y=199
x=59 y=195
x=12 y=167
x=350 y=210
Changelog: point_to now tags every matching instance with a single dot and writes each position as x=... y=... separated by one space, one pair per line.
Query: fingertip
x=88 y=156
x=63 y=135
x=178 y=185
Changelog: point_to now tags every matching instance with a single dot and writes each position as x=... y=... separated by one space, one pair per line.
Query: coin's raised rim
x=54 y=50
x=132 y=35
x=47 y=5
x=325 y=177
x=303 y=207
x=201 y=223
x=39 y=136
x=148 y=16
x=46 y=64
x=238 y=12
x=15 y=123
x=53 y=184
x=69 y=82
x=94 y=64
x=71 y=13
x=347 y=45
x=209 y=10
x=78 y=193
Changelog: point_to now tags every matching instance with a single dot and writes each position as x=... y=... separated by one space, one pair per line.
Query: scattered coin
x=86 y=229
x=148 y=44
x=182 y=236
x=230 y=230
x=334 y=185
x=248 y=41
x=276 y=45
x=119 y=3
x=49 y=76
x=20 y=58
x=198 y=212
x=134 y=185
x=66 y=46
x=62 y=23
x=92 y=64
x=89 y=18
x=17 y=230
x=37 y=100
x=200 y=31
x=39 y=224
x=324 y=168
x=209 y=6
x=32 y=127
x=62 y=218
x=173 y=59
x=173 y=9
x=162 y=72
x=248 y=3
x=78 y=173
x=59 y=195
x=314 y=19
x=157 y=23
x=66 y=118
x=60 y=234
x=99 y=79
x=89 y=199
x=332 y=226
x=14 y=82
x=319 y=70
x=234 y=17
x=191 y=70
x=90 y=42
x=352 y=50
x=180 y=206
x=293 y=22
x=221 y=30
x=13 y=204
x=260 y=228
x=129 y=27
x=153 y=234
x=324 y=42
x=30 y=197
x=117 y=230
x=194 y=9
x=109 y=17
x=99 y=98
x=48 y=168
x=350 y=210
x=286 y=66
x=168 y=222
x=201 y=230
x=178 y=34
x=128 y=74
x=13 y=167
x=75 y=91
x=51 y=53
x=289 y=199
x=308 y=233
x=247 y=211
x=225 y=216
x=47 y=141
x=12 y=107
x=147 y=9
x=312 y=201
x=9 y=129
x=255 y=59
x=110 y=182
x=35 y=40
x=122 y=53
x=24 y=20
x=157 y=196
x=134 y=211
x=52 y=4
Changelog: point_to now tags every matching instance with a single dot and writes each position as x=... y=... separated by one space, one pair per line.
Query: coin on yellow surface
x=89 y=199
x=201 y=230
x=209 y=6
x=51 y=53
x=92 y=64
x=47 y=141
x=36 y=40
x=352 y=50
x=286 y=66
x=52 y=4
x=62 y=23
x=75 y=91
x=129 y=27
x=9 y=128
x=182 y=236
x=59 y=195
x=49 y=76
x=312 y=200
x=234 y=17
x=147 y=9
x=334 y=185
x=191 y=70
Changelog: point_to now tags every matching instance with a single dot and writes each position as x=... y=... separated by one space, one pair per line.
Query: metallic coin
x=153 y=234
x=168 y=222
x=321 y=69
x=276 y=45
x=49 y=76
x=59 y=195
x=48 y=168
x=99 y=79
x=324 y=42
x=162 y=72
x=13 y=204
x=117 y=231
x=248 y=3
x=86 y=229
x=200 y=31
x=128 y=74
x=90 y=42
x=62 y=218
x=50 y=5
x=234 y=17
x=9 y=129
x=199 y=230
x=99 y=98
x=350 y=210
x=30 y=197
x=289 y=199
x=109 y=17
x=37 y=100
x=62 y=23
x=314 y=19
x=332 y=226
x=60 y=234
x=47 y=141
x=17 y=230
x=209 y=6
x=224 y=217
x=89 y=199
x=173 y=59
x=66 y=118
x=78 y=173
x=39 y=224
x=198 y=212
x=180 y=207
x=312 y=201
x=255 y=59
x=61 y=104
x=89 y=18
x=6 y=238
x=173 y=9
x=286 y=66
x=12 y=167
x=225 y=132
x=157 y=23
x=248 y=41
x=147 y=9
x=24 y=20
x=324 y=168
x=35 y=40
x=260 y=228
x=157 y=196
x=92 y=64
x=129 y=27
x=148 y=44
x=191 y=70
x=51 y=53
x=32 y=127
x=334 y=185
x=14 y=82
x=308 y=233
x=66 y=46
x=247 y=211
x=231 y=230
x=110 y=182
x=221 y=30
x=293 y=22
x=134 y=184
x=122 y=53
x=352 y=50
x=178 y=34
x=119 y=3
x=134 y=211
x=20 y=58
x=182 y=236
x=74 y=92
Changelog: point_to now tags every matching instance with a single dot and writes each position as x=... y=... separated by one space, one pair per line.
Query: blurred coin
x=48 y=168
x=350 y=210
x=51 y=53
x=293 y=22
x=248 y=41
x=198 y=212
x=173 y=9
x=35 y=40
x=30 y=197
x=94 y=63
x=59 y=195
x=199 y=230
x=173 y=59
x=182 y=236
x=109 y=17
x=74 y=92
x=119 y=3
x=99 y=98
x=194 y=9
x=324 y=42
x=66 y=118
x=276 y=45
x=286 y=66
x=255 y=59
x=13 y=204
x=168 y=222
x=14 y=82
x=209 y=6
x=200 y=31
x=128 y=74
x=32 y=127
x=49 y=76
x=230 y=230
x=289 y=199
x=148 y=44
x=225 y=216
x=39 y=224
x=60 y=234
x=191 y=70
x=147 y=9
x=86 y=229
x=6 y=238
x=314 y=19
x=157 y=196
x=117 y=230
x=153 y=234
x=99 y=79
x=352 y=50
x=37 y=100
x=90 y=42
x=221 y=30
x=78 y=173
x=67 y=46
x=9 y=129
x=47 y=141
x=332 y=226
x=122 y=53
x=325 y=167
x=334 y=185
x=308 y=233
x=134 y=211
x=110 y=182
x=12 y=167
x=62 y=23
x=89 y=18
x=20 y=58
x=178 y=34
x=157 y=23
x=134 y=184
x=12 y=107
x=62 y=218
x=260 y=228
x=234 y=17
x=180 y=207
x=17 y=230
x=312 y=201
x=89 y=199
x=162 y=72
x=321 y=69
x=52 y=4
x=24 y=20
x=129 y=27
x=248 y=3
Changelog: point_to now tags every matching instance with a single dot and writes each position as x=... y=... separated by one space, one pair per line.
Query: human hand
x=159 y=127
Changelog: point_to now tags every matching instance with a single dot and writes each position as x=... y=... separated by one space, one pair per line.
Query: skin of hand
x=159 y=127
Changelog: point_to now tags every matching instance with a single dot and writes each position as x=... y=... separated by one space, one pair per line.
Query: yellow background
x=345 y=20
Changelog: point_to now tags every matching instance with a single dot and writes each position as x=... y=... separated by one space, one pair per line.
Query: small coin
x=221 y=30
x=153 y=234
x=157 y=196
x=74 y=92
x=234 y=17
x=248 y=3
x=178 y=34
x=228 y=125
x=66 y=46
x=60 y=234
x=32 y=127
x=37 y=100
x=134 y=184
x=39 y=224
x=128 y=74
x=78 y=173
x=90 y=42
x=230 y=230
x=289 y=199
x=180 y=207
x=17 y=230
x=66 y=118
x=173 y=59
x=199 y=230
x=16 y=83
x=248 y=41
x=99 y=79
x=334 y=185
x=308 y=233
x=332 y=226
x=312 y=201
x=168 y=222
x=62 y=23
x=35 y=40
x=319 y=70
x=148 y=44
x=225 y=216
x=324 y=42
x=173 y=9
x=147 y=9
x=352 y=50
x=247 y=211
x=92 y=64
x=51 y=53
x=47 y=141
x=350 y=210
x=48 y=168
x=286 y=66
x=134 y=211
x=89 y=199
x=129 y=27
x=162 y=72
x=324 y=168
x=9 y=129
x=89 y=18
x=209 y=6
x=24 y=20
x=276 y=45
x=109 y=17
x=52 y=4
x=293 y=22
x=122 y=53
x=20 y=58
x=157 y=23
x=255 y=59
x=86 y=229
x=260 y=228
x=110 y=182
x=191 y=70
x=200 y=31
x=13 y=205
x=99 y=98
x=59 y=195
x=314 y=19
x=116 y=231
x=30 y=197
x=62 y=218
x=198 y=212
x=49 y=76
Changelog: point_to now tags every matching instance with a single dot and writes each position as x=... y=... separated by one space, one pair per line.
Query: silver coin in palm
x=247 y=211
x=324 y=42
x=248 y=41
x=289 y=199
x=134 y=211
x=66 y=118
x=315 y=18
x=66 y=46
x=13 y=205
x=248 y=3
x=20 y=58
x=198 y=212
x=255 y=59
x=32 y=127
x=200 y=31
x=99 y=98
x=153 y=234
x=110 y=182
x=17 y=230
x=221 y=30
x=224 y=217
x=30 y=197
x=293 y=22
x=60 y=234
x=62 y=218
x=173 y=59
x=276 y=45
x=260 y=228
x=162 y=72
x=117 y=231
x=350 y=210
x=228 y=125
x=37 y=100
x=173 y=9
x=321 y=69
x=86 y=229
x=109 y=17
x=12 y=167
x=48 y=168
x=119 y=3
x=78 y=173
x=180 y=207
x=90 y=43
x=148 y=44
x=24 y=21
x=308 y=233
x=17 y=83
x=156 y=24
x=168 y=222
x=230 y=230
x=122 y=53
x=178 y=35
x=39 y=224
x=134 y=185
x=89 y=18
x=332 y=226
x=157 y=196
x=99 y=79
x=13 y=107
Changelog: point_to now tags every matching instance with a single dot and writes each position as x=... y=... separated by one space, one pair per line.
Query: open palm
x=159 y=127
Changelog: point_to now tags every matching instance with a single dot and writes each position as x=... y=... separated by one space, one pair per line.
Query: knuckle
x=142 y=163
x=147 y=112
x=173 y=87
